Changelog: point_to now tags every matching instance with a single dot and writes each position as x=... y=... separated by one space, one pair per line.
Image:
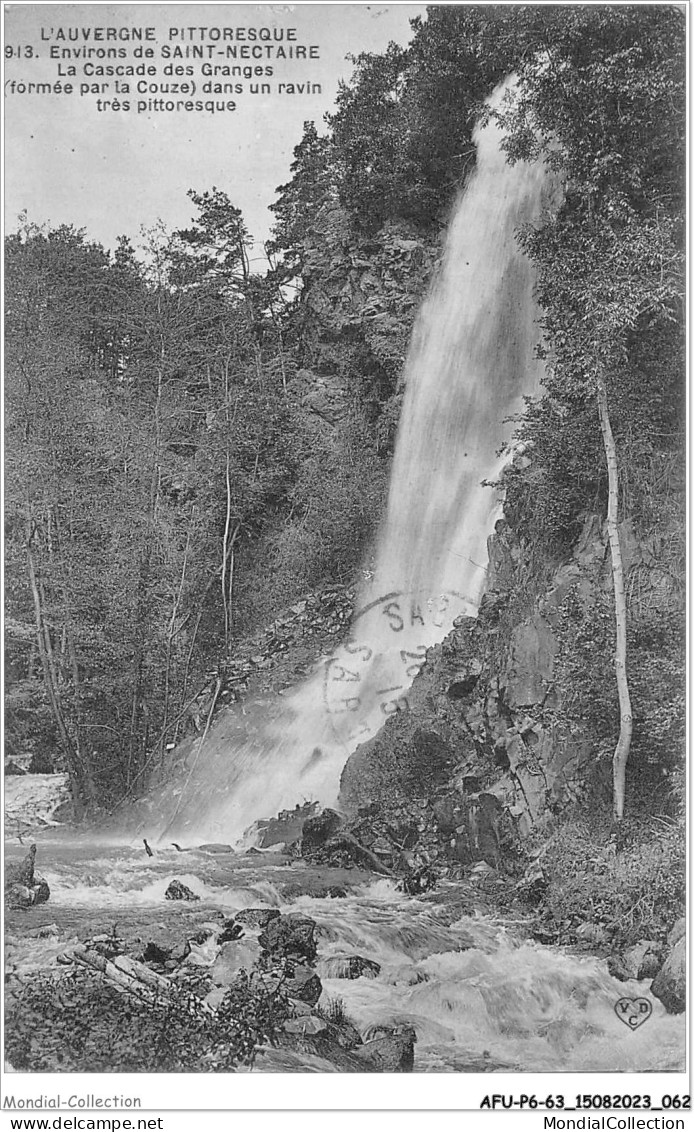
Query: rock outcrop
x=256 y=917
x=179 y=891
x=303 y=984
x=234 y=956
x=670 y=984
x=289 y=937
x=23 y=886
x=389 y=1049
x=642 y=961
x=286 y=829
x=349 y=967
x=491 y=748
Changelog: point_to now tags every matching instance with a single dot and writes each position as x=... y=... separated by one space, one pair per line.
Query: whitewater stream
x=481 y=996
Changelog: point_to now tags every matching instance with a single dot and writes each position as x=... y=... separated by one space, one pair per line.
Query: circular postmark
x=368 y=678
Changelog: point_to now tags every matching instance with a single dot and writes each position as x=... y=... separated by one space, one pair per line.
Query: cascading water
x=479 y=996
x=471 y=359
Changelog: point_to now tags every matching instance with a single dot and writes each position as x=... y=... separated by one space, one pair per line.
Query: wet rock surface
x=390 y=1049
x=642 y=961
x=350 y=967
x=319 y=829
x=179 y=891
x=256 y=917
x=301 y=982
x=289 y=937
x=233 y=957
x=486 y=714
x=670 y=984
x=286 y=829
x=21 y=872
x=23 y=887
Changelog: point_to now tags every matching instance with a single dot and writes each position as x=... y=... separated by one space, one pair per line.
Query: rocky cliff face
x=504 y=732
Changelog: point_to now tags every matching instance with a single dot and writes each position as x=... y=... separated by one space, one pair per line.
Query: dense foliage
x=170 y=484
x=604 y=106
x=79 y=1023
x=637 y=893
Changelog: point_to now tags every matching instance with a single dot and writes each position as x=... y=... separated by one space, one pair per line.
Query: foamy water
x=477 y=995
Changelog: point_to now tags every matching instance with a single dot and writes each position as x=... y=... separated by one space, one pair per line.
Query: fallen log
x=135 y=978
x=141 y=973
x=122 y=980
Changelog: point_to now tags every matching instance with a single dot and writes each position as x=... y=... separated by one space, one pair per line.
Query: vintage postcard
x=344 y=561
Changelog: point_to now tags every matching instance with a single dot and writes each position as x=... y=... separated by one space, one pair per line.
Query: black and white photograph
x=345 y=559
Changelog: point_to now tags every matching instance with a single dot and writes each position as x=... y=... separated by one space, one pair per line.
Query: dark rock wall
x=494 y=745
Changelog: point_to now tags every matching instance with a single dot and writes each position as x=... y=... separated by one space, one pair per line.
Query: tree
x=124 y=389
x=240 y=333
x=60 y=444
x=300 y=200
x=368 y=131
x=602 y=103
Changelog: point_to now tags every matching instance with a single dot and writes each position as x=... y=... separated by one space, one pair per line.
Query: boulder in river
x=234 y=956
x=256 y=917
x=21 y=872
x=390 y=1049
x=349 y=967
x=304 y=985
x=18 y=896
x=290 y=937
x=670 y=984
x=179 y=891
x=345 y=1034
x=23 y=886
x=230 y=930
x=42 y=892
x=318 y=830
x=286 y=828
x=642 y=961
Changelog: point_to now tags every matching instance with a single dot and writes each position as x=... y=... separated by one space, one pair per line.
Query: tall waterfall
x=471 y=360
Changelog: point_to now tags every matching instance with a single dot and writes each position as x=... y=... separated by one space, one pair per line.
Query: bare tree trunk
x=137 y=741
x=225 y=555
x=189 y=657
x=228 y=538
x=50 y=677
x=228 y=583
x=172 y=632
x=621 y=753
x=85 y=761
x=252 y=320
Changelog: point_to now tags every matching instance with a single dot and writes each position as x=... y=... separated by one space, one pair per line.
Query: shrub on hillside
x=81 y=1024
x=635 y=892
